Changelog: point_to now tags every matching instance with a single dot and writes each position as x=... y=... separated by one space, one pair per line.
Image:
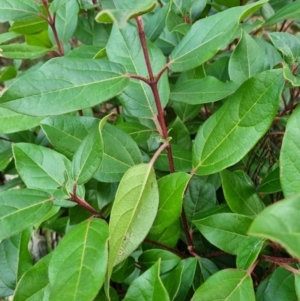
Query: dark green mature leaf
x=171 y=190
x=41 y=167
x=22 y=208
x=133 y=212
x=207 y=267
x=123 y=47
x=244 y=61
x=64 y=85
x=271 y=182
x=204 y=90
x=207 y=36
x=245 y=117
x=120 y=11
x=22 y=51
x=172 y=281
x=272 y=223
x=123 y=270
x=15 y=10
x=34 y=284
x=8 y=73
x=78 y=265
x=227 y=231
x=180 y=134
x=148 y=286
x=232 y=285
x=240 y=193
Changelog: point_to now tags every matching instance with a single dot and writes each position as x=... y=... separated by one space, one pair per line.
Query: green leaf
x=289 y=11
x=137 y=98
x=7 y=36
x=204 y=90
x=15 y=10
x=124 y=11
x=207 y=267
x=172 y=281
x=245 y=117
x=8 y=73
x=64 y=85
x=185 y=111
x=297 y=284
x=133 y=212
x=248 y=252
x=289 y=156
x=271 y=182
x=240 y=193
x=29 y=26
x=288 y=75
x=22 y=51
x=22 y=208
x=232 y=285
x=148 y=286
x=41 y=167
x=272 y=223
x=137 y=131
x=34 y=284
x=78 y=265
x=244 y=61
x=180 y=134
x=123 y=270
x=207 y=36
x=227 y=231
x=171 y=191
x=120 y=153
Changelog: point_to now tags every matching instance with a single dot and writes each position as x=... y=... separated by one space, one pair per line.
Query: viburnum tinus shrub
x=150 y=150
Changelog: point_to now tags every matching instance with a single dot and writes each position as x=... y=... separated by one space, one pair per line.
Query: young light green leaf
x=232 y=285
x=204 y=90
x=207 y=36
x=64 y=85
x=133 y=212
x=226 y=231
x=22 y=51
x=244 y=117
x=78 y=265
x=22 y=208
x=123 y=11
x=171 y=190
x=244 y=61
x=15 y=10
x=240 y=193
x=148 y=286
x=289 y=156
x=41 y=167
x=272 y=223
x=30 y=26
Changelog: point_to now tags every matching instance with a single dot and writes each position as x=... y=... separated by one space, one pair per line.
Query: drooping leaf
x=207 y=36
x=78 y=265
x=22 y=51
x=245 y=117
x=227 y=231
x=64 y=85
x=21 y=208
x=232 y=285
x=272 y=223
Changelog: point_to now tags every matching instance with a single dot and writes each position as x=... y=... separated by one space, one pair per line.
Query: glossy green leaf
x=244 y=61
x=137 y=131
x=207 y=36
x=41 y=167
x=271 y=182
x=224 y=208
x=207 y=267
x=150 y=257
x=120 y=153
x=171 y=191
x=64 y=85
x=133 y=212
x=172 y=281
x=29 y=26
x=232 y=285
x=34 y=285
x=289 y=11
x=22 y=51
x=272 y=223
x=22 y=208
x=244 y=117
x=78 y=265
x=240 y=193
x=185 y=111
x=123 y=270
x=8 y=73
x=248 y=252
x=289 y=156
x=288 y=75
x=148 y=286
x=137 y=98
x=121 y=11
x=200 y=91
x=227 y=231
x=15 y=10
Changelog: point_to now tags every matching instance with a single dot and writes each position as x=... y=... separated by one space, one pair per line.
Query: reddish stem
x=278 y=260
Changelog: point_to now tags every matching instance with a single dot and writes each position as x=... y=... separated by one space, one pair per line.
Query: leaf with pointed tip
x=172 y=281
x=64 y=85
x=207 y=36
x=272 y=223
x=245 y=117
x=232 y=285
x=78 y=265
x=22 y=208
